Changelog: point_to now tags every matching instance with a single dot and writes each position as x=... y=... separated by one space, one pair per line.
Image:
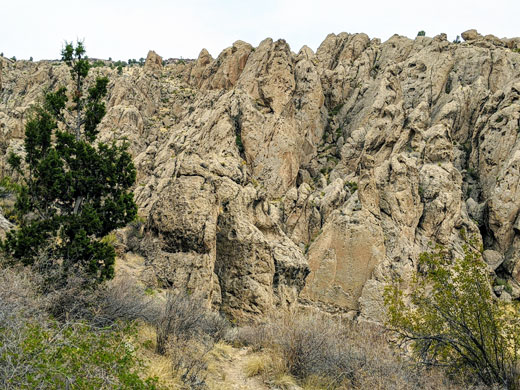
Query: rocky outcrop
x=267 y=178
x=153 y=62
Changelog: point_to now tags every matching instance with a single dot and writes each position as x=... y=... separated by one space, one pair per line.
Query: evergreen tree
x=75 y=190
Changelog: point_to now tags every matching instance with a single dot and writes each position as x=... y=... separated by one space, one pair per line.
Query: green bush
x=421 y=33
x=75 y=356
x=38 y=352
x=451 y=318
x=352 y=186
x=74 y=190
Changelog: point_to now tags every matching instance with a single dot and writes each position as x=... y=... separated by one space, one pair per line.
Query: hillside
x=268 y=178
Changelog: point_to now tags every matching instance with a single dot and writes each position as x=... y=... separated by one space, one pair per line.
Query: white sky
x=124 y=29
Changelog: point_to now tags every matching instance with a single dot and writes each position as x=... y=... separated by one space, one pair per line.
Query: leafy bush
x=421 y=33
x=451 y=318
x=51 y=355
x=37 y=352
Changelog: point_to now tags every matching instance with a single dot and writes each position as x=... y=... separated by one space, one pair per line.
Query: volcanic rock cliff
x=267 y=178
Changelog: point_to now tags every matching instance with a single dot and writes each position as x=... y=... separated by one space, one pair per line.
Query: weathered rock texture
x=262 y=165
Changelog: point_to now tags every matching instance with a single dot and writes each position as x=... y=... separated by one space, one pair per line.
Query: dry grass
x=156 y=365
x=284 y=382
x=272 y=368
x=146 y=336
x=314 y=382
x=319 y=352
x=257 y=365
x=221 y=351
x=179 y=327
x=161 y=367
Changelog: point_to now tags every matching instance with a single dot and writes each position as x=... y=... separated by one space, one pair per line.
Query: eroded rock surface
x=266 y=177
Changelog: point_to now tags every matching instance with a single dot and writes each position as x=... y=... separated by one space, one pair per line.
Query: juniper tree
x=75 y=190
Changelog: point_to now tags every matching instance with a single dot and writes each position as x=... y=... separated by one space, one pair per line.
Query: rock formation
x=267 y=178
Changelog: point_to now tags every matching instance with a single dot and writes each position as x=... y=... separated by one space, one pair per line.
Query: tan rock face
x=153 y=61
x=470 y=35
x=343 y=257
x=267 y=177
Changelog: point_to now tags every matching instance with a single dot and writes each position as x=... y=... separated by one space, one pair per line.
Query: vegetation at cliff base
x=450 y=317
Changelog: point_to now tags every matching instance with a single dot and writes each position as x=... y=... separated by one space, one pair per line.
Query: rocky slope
x=267 y=177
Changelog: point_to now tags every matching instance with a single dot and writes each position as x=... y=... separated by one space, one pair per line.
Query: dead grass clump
x=257 y=365
x=271 y=366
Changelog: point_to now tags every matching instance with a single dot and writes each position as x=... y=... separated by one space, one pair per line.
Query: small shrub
x=421 y=33
x=240 y=145
x=448 y=86
x=189 y=361
x=186 y=316
x=472 y=173
x=73 y=299
x=123 y=299
x=335 y=110
x=352 y=186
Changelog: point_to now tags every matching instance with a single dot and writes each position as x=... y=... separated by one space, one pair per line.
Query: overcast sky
x=124 y=29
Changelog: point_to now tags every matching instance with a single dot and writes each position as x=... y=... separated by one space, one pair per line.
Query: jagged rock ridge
x=267 y=177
